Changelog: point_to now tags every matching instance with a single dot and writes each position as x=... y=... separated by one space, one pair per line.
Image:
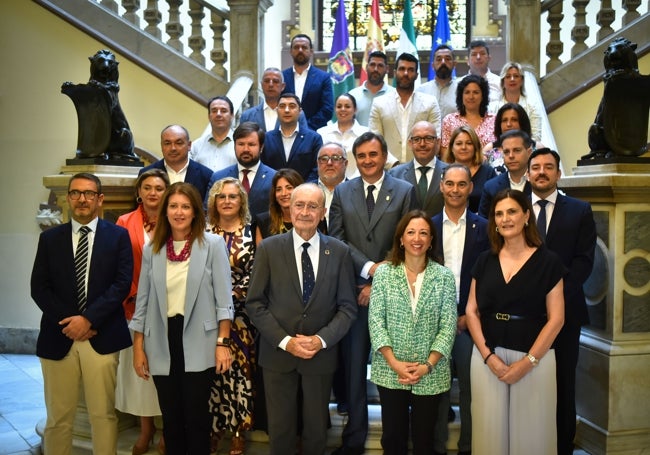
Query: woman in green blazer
x=412 y=323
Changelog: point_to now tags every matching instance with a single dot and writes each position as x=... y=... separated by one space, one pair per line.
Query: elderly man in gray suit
x=425 y=170
x=364 y=213
x=301 y=299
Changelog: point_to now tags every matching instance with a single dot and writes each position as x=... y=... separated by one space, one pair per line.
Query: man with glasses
x=291 y=146
x=517 y=147
x=425 y=170
x=82 y=273
x=301 y=299
x=332 y=164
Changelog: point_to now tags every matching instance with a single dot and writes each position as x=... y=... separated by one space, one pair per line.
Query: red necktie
x=244 y=181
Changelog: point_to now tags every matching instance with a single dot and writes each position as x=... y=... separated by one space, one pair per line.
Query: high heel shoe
x=140 y=450
x=237 y=444
x=161 y=446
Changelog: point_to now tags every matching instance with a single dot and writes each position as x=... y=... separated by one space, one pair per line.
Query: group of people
x=264 y=265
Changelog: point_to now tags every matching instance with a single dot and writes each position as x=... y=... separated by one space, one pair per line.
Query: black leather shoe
x=464 y=452
x=451 y=415
x=343 y=450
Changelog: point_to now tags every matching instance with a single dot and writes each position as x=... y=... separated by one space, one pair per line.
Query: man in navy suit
x=517 y=147
x=313 y=86
x=256 y=178
x=462 y=236
x=83 y=326
x=569 y=231
x=175 y=144
x=291 y=146
x=368 y=229
x=425 y=145
x=265 y=114
x=301 y=298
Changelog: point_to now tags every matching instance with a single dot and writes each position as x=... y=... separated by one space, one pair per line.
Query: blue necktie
x=308 y=277
x=541 y=219
x=370 y=200
x=80 y=266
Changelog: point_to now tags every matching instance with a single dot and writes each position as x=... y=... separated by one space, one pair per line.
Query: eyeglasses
x=223 y=197
x=302 y=205
x=334 y=158
x=88 y=194
x=426 y=139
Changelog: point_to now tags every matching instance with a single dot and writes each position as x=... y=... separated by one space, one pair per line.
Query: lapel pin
x=327 y=252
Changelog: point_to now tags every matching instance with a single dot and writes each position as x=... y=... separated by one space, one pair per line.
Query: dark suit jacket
x=572 y=236
x=317 y=97
x=274 y=303
x=434 y=202
x=476 y=241
x=197 y=174
x=255 y=114
x=491 y=188
x=371 y=239
x=258 y=198
x=109 y=281
x=302 y=158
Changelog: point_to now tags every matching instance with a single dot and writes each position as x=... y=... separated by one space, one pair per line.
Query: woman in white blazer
x=182 y=318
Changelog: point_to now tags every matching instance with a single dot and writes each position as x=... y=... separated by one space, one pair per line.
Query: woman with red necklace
x=132 y=394
x=182 y=318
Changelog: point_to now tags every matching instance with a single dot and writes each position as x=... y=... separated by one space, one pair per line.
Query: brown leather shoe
x=237 y=445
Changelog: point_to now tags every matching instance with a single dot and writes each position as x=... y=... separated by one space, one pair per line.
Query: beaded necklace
x=183 y=255
x=148 y=224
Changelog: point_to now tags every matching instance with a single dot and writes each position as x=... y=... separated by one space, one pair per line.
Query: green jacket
x=412 y=337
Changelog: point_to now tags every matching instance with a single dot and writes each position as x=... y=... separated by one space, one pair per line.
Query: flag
x=441 y=34
x=340 y=64
x=406 y=42
x=375 y=40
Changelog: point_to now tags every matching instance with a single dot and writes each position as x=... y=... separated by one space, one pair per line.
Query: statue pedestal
x=613 y=375
x=117 y=185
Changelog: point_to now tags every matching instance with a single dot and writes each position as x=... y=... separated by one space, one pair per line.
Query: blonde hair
x=217 y=188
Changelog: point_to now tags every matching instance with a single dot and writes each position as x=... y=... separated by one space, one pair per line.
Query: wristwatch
x=224 y=341
x=532 y=359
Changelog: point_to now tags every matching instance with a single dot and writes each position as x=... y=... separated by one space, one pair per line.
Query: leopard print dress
x=232 y=393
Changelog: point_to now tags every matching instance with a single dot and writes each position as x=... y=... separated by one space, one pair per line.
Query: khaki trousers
x=81 y=367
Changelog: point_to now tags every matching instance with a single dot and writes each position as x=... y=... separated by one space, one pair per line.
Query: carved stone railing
x=568 y=18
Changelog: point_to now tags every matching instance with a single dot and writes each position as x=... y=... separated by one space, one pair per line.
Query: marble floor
x=22 y=407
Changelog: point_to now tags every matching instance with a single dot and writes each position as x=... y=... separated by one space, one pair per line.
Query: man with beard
x=393 y=116
x=254 y=176
x=375 y=86
x=312 y=85
x=443 y=86
x=567 y=227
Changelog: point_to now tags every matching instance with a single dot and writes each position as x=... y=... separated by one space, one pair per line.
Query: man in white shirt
x=479 y=58
x=462 y=237
x=443 y=86
x=375 y=86
x=215 y=149
x=394 y=115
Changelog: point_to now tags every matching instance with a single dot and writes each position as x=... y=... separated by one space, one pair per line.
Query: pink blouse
x=485 y=130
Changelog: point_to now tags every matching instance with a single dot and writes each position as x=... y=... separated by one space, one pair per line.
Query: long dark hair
x=485 y=94
x=275 y=211
x=524 y=120
x=531 y=235
x=164 y=229
x=396 y=254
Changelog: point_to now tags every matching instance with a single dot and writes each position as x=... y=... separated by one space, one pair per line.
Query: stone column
x=523 y=31
x=247 y=26
x=613 y=376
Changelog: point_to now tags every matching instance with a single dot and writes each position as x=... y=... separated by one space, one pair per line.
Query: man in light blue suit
x=290 y=145
x=462 y=236
x=265 y=114
x=312 y=85
x=256 y=177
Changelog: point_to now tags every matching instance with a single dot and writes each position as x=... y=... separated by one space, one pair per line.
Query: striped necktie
x=80 y=266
